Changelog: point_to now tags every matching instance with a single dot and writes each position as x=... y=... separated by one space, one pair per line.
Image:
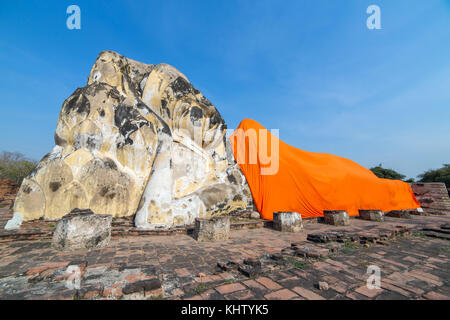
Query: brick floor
x=412 y=266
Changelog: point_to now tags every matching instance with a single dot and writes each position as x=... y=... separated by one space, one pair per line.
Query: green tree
x=15 y=166
x=437 y=175
x=381 y=172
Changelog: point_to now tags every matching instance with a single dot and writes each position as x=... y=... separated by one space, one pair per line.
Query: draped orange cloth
x=309 y=182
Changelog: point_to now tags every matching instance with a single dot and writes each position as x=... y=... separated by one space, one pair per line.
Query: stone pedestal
x=336 y=217
x=287 y=221
x=371 y=215
x=83 y=230
x=214 y=229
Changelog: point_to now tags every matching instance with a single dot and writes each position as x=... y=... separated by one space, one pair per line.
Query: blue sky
x=310 y=68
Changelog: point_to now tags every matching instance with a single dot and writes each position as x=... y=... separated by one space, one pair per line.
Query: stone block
x=323 y=285
x=249 y=271
x=311 y=252
x=15 y=222
x=255 y=215
x=214 y=229
x=141 y=286
x=82 y=230
x=336 y=217
x=287 y=221
x=371 y=215
x=254 y=262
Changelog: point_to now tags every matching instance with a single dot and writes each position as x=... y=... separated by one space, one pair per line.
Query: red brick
x=394 y=288
x=154 y=293
x=337 y=264
x=228 y=288
x=226 y=275
x=240 y=295
x=395 y=263
x=308 y=294
x=353 y=296
x=133 y=277
x=411 y=259
x=253 y=284
x=269 y=284
x=207 y=294
x=283 y=294
x=427 y=277
x=92 y=293
x=301 y=273
x=323 y=266
x=197 y=297
x=370 y=293
x=56 y=265
x=206 y=279
x=183 y=272
x=339 y=286
x=36 y=270
x=435 y=260
x=404 y=286
x=433 y=295
x=112 y=292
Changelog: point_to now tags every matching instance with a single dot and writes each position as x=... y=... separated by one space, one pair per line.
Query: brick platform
x=413 y=265
x=433 y=197
x=121 y=227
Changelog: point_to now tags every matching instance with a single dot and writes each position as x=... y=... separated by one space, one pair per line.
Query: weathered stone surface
x=249 y=270
x=254 y=262
x=214 y=229
x=137 y=139
x=371 y=215
x=405 y=214
x=142 y=285
x=310 y=251
x=82 y=230
x=287 y=221
x=440 y=235
x=230 y=265
x=323 y=285
x=336 y=217
x=255 y=215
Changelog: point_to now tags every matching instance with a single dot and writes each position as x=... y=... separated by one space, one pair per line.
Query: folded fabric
x=284 y=178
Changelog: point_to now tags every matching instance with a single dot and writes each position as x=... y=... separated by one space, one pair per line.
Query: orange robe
x=309 y=182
